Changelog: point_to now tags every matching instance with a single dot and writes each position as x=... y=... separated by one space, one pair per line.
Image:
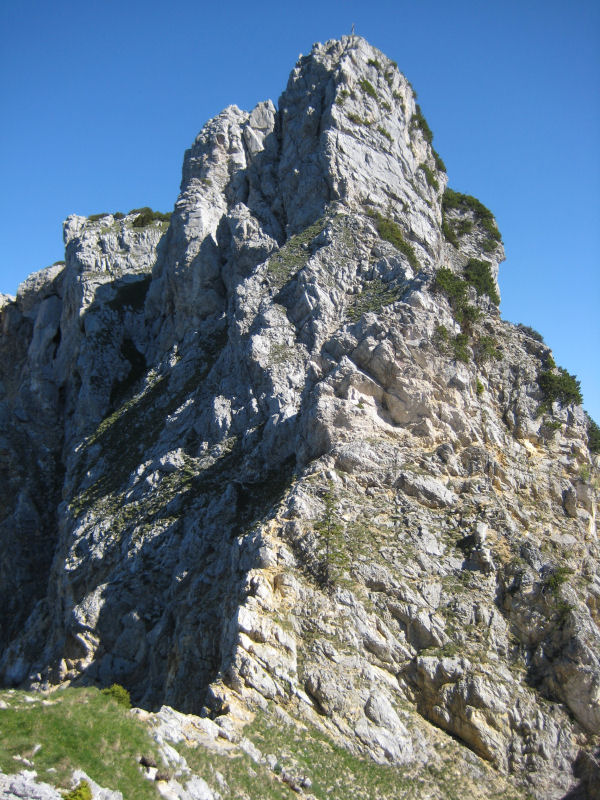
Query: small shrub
x=467 y=315
x=556 y=578
x=531 y=332
x=96 y=217
x=479 y=388
x=82 y=791
x=419 y=121
x=358 y=120
x=430 y=177
x=373 y=62
x=386 y=106
x=459 y=346
x=342 y=96
x=385 y=133
x=478 y=274
x=119 y=694
x=560 y=387
x=439 y=163
x=463 y=226
x=486 y=349
x=585 y=473
x=391 y=232
x=441 y=337
x=368 y=88
x=119 y=215
x=449 y=234
x=484 y=216
x=452 y=286
x=145 y=216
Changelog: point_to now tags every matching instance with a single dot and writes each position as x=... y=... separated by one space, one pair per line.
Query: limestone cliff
x=282 y=452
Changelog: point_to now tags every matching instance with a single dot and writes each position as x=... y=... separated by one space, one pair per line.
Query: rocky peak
x=279 y=450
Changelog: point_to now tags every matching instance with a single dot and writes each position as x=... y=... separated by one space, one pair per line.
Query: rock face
x=284 y=449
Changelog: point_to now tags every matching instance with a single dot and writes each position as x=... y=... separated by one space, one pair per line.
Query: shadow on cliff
x=162 y=560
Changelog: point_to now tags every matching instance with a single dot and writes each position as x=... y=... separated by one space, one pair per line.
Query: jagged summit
x=279 y=452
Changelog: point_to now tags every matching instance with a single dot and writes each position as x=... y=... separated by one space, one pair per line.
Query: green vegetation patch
x=460 y=345
x=119 y=694
x=391 y=232
x=531 y=332
x=558 y=385
x=430 y=177
x=146 y=216
x=486 y=349
x=479 y=274
x=373 y=62
x=556 y=579
x=368 y=88
x=419 y=122
x=464 y=202
x=77 y=729
x=82 y=791
x=454 y=287
x=439 y=162
x=385 y=133
x=593 y=432
x=374 y=296
x=328 y=771
x=358 y=120
x=294 y=254
x=115 y=215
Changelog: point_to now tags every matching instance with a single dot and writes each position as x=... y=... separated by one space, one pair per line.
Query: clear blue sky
x=100 y=101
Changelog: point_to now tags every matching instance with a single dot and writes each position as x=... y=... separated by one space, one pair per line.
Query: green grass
x=82 y=791
x=391 y=232
x=374 y=296
x=368 y=88
x=294 y=254
x=81 y=729
x=385 y=133
x=358 y=120
x=303 y=751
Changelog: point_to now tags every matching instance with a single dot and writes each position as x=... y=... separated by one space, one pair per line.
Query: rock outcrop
x=282 y=452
